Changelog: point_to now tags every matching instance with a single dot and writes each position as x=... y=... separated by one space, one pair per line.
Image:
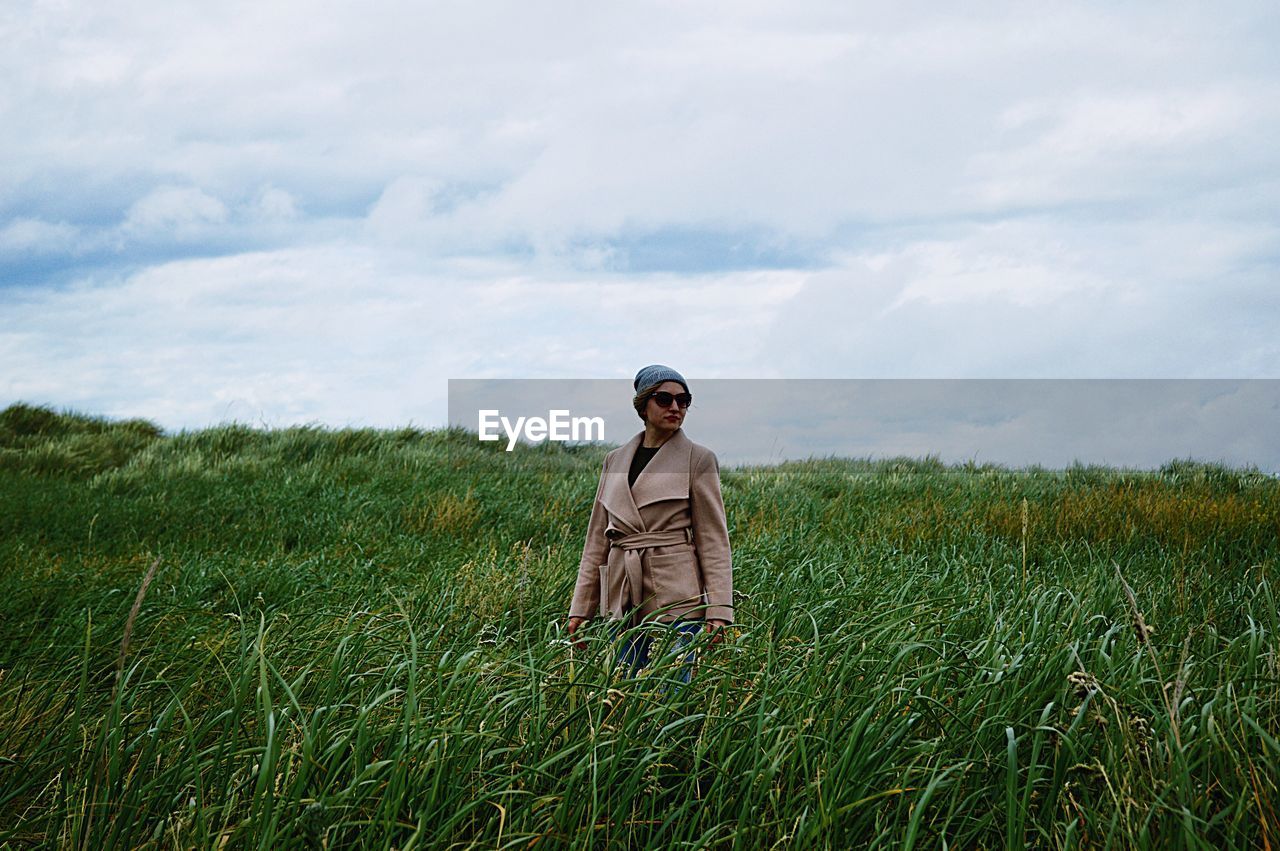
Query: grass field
x=354 y=639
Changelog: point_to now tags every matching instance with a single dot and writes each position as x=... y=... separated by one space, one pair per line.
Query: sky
x=282 y=213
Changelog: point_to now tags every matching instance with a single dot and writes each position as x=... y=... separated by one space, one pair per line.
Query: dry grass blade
x=1025 y=522
x=133 y=616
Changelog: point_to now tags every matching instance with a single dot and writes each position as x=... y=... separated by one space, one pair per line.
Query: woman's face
x=665 y=420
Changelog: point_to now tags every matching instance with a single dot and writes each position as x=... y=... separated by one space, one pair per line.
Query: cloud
x=343 y=335
x=321 y=215
x=36 y=236
x=404 y=208
x=179 y=210
x=272 y=204
x=1039 y=298
x=799 y=121
x=1113 y=146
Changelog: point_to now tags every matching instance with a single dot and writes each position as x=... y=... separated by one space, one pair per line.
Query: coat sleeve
x=711 y=536
x=586 y=593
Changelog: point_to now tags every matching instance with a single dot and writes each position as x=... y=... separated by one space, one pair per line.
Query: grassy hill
x=353 y=638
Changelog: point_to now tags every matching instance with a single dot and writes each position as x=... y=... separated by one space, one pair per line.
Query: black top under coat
x=642 y=457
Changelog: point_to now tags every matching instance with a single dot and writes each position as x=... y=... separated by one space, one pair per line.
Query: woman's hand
x=574 y=625
x=715 y=628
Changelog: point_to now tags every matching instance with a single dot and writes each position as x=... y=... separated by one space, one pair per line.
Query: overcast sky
x=318 y=212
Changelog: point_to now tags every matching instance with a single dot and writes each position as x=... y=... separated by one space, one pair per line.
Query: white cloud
x=1112 y=146
x=1043 y=298
x=272 y=204
x=404 y=207
x=1015 y=263
x=181 y=210
x=35 y=235
x=341 y=334
x=474 y=189
x=618 y=117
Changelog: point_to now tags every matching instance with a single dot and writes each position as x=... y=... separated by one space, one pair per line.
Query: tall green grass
x=353 y=639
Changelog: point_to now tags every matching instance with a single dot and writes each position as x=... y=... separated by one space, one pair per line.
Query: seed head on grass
x=133 y=616
x=1083 y=684
x=1144 y=633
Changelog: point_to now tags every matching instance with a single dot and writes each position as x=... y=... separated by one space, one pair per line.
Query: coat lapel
x=617 y=497
x=666 y=476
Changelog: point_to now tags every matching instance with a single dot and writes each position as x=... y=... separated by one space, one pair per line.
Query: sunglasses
x=664 y=399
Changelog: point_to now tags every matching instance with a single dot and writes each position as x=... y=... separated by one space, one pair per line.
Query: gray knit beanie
x=656 y=374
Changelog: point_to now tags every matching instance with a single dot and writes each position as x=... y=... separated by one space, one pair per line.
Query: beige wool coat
x=659 y=550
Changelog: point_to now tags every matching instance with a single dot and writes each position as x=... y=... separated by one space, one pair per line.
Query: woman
x=657 y=545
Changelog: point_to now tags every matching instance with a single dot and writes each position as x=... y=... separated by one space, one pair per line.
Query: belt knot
x=633 y=547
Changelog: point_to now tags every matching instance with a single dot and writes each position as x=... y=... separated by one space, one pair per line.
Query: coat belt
x=633 y=546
